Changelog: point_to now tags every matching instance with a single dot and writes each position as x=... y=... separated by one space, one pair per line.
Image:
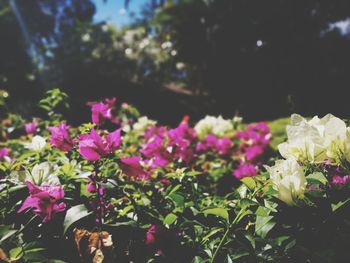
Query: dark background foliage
x=261 y=59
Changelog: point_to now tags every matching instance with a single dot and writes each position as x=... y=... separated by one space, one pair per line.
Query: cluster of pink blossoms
x=60 y=138
x=163 y=146
x=338 y=178
x=4 y=152
x=255 y=140
x=131 y=166
x=44 y=200
x=102 y=111
x=92 y=146
x=31 y=127
x=222 y=145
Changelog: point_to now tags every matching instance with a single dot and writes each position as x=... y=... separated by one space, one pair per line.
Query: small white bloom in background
x=180 y=65
x=42 y=174
x=316 y=140
x=143 y=123
x=86 y=37
x=213 y=125
x=128 y=51
x=237 y=119
x=38 y=144
x=126 y=128
x=288 y=179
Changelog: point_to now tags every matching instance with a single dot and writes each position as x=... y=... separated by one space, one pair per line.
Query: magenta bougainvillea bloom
x=254 y=152
x=131 y=166
x=163 y=147
x=92 y=146
x=155 y=131
x=258 y=134
x=4 y=152
x=31 y=127
x=151 y=234
x=255 y=140
x=181 y=139
x=102 y=111
x=245 y=170
x=60 y=138
x=340 y=181
x=156 y=152
x=44 y=201
x=221 y=145
x=224 y=145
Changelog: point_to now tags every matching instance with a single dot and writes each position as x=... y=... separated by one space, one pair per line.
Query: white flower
x=213 y=125
x=38 y=144
x=316 y=140
x=143 y=123
x=289 y=180
x=42 y=174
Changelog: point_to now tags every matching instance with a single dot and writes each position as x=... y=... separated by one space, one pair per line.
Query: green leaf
x=245 y=203
x=16 y=253
x=211 y=233
x=193 y=173
x=219 y=211
x=262 y=211
x=290 y=244
x=197 y=259
x=242 y=191
x=318 y=177
x=249 y=182
x=238 y=254
x=178 y=199
x=12 y=189
x=6 y=232
x=174 y=189
x=339 y=204
x=121 y=224
x=170 y=219
x=74 y=214
x=263 y=225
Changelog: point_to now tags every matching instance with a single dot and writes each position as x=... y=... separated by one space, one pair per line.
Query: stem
x=223 y=239
x=99 y=197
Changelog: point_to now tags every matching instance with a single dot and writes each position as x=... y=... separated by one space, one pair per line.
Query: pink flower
x=211 y=142
x=254 y=152
x=163 y=146
x=91 y=187
x=131 y=167
x=256 y=134
x=181 y=139
x=340 y=181
x=102 y=111
x=245 y=170
x=44 y=201
x=92 y=146
x=31 y=127
x=155 y=150
x=60 y=138
x=155 y=131
x=4 y=152
x=223 y=145
x=151 y=234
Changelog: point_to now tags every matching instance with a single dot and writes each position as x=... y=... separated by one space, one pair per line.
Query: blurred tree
x=258 y=56
x=247 y=55
x=16 y=71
